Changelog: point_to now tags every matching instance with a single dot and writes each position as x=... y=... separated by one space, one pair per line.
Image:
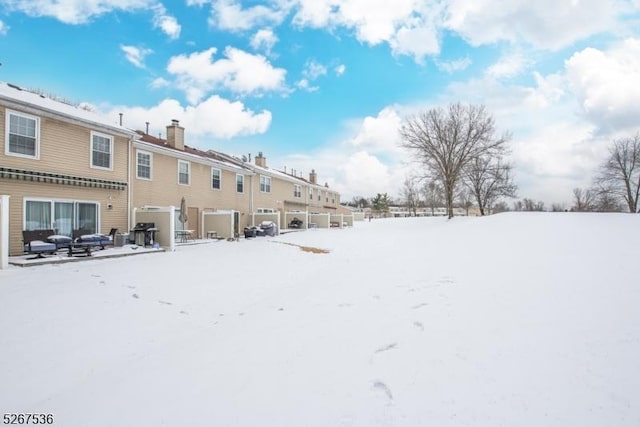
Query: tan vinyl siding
x=164 y=190
x=65 y=148
x=21 y=190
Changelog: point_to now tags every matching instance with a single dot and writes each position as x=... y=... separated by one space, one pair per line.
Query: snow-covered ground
x=516 y=319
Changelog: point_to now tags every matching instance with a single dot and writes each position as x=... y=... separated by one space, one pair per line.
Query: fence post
x=4 y=232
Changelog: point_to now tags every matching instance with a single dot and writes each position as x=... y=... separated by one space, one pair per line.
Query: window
x=143 y=165
x=101 y=150
x=310 y=193
x=265 y=210
x=240 y=183
x=216 y=179
x=23 y=135
x=297 y=190
x=265 y=184
x=63 y=216
x=184 y=172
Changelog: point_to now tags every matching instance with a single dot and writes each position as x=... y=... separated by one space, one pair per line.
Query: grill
x=143 y=233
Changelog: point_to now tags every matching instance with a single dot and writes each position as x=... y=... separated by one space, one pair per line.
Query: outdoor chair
x=45 y=241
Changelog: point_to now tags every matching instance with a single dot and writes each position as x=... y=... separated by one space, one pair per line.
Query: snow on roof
x=220 y=159
x=39 y=103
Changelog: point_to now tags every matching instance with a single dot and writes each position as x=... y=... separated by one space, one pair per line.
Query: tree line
x=616 y=185
x=463 y=162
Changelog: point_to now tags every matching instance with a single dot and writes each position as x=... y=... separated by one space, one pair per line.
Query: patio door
x=61 y=216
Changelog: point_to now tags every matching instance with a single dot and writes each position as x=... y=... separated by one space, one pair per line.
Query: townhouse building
x=66 y=168
x=166 y=170
x=289 y=192
x=63 y=167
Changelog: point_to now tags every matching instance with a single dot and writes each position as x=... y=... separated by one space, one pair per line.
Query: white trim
x=219 y=178
x=243 y=182
x=57 y=200
x=4 y=231
x=9 y=113
x=188 y=172
x=267 y=184
x=194 y=158
x=138 y=151
x=111 y=150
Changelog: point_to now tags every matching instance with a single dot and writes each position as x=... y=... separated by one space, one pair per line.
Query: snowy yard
x=516 y=319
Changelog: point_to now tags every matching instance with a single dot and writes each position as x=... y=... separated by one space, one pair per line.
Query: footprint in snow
x=415 y=307
x=419 y=325
x=384 y=388
x=165 y=302
x=136 y=296
x=387 y=347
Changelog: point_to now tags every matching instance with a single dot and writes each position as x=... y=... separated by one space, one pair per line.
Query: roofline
x=178 y=154
x=28 y=107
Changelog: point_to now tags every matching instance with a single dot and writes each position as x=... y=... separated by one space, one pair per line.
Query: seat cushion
x=37 y=246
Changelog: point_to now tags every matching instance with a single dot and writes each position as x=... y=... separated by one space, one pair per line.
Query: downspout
x=130 y=189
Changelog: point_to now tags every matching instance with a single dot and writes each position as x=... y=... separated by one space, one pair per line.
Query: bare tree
x=433 y=198
x=606 y=200
x=446 y=140
x=465 y=198
x=583 y=200
x=528 y=205
x=500 y=207
x=620 y=173
x=489 y=178
x=410 y=195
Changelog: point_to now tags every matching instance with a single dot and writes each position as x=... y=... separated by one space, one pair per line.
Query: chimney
x=261 y=160
x=175 y=135
x=313 y=177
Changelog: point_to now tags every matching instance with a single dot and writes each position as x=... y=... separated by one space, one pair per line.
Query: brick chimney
x=175 y=135
x=313 y=177
x=261 y=160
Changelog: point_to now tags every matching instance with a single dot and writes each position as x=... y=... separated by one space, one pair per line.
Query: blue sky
x=325 y=84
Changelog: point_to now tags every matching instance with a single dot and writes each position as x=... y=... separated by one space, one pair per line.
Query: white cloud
x=605 y=84
x=214 y=117
x=545 y=24
x=135 y=54
x=4 y=28
x=380 y=134
x=305 y=85
x=167 y=23
x=509 y=65
x=75 y=11
x=418 y=39
x=313 y=70
x=239 y=72
x=264 y=40
x=230 y=15
x=365 y=174
x=365 y=161
x=454 y=65
x=408 y=26
x=340 y=69
x=159 y=83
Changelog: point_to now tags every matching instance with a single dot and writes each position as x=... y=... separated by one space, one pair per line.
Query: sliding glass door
x=61 y=216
